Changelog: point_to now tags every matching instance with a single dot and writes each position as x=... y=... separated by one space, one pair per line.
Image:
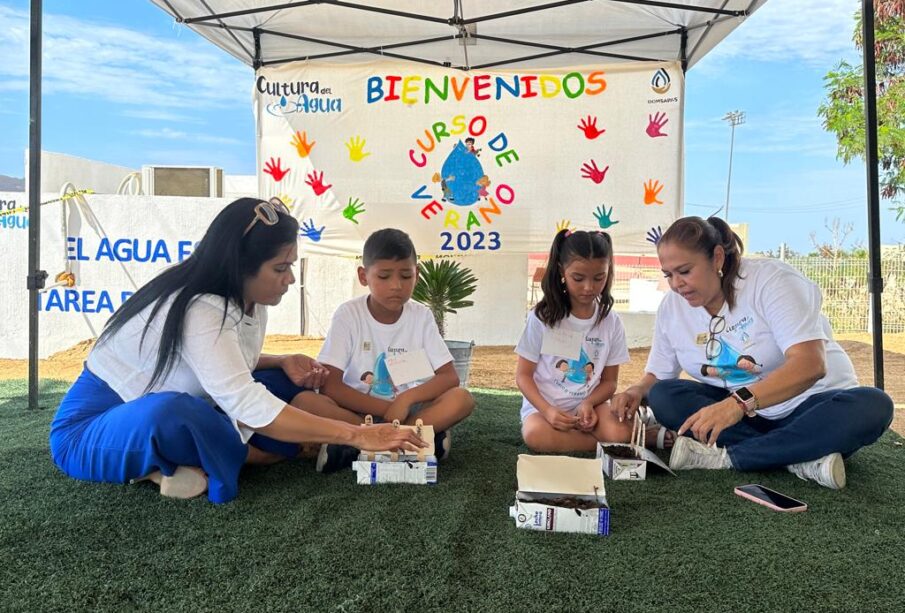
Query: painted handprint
x=352 y=209
x=301 y=144
x=317 y=182
x=590 y=171
x=655 y=124
x=287 y=200
x=589 y=127
x=356 y=146
x=654 y=235
x=563 y=224
x=651 y=190
x=603 y=217
x=274 y=170
x=309 y=231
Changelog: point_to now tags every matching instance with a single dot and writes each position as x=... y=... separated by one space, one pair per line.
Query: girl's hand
x=708 y=422
x=304 y=371
x=398 y=409
x=383 y=437
x=587 y=416
x=624 y=405
x=559 y=419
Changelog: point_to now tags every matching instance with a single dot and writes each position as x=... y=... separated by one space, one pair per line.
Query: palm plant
x=443 y=287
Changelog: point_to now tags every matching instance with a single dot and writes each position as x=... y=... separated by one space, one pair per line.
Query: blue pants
x=96 y=436
x=836 y=420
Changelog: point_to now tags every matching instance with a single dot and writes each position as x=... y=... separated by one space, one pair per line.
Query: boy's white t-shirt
x=359 y=345
x=565 y=382
x=215 y=362
x=776 y=307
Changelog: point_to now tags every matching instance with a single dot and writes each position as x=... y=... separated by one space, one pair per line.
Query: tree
x=843 y=109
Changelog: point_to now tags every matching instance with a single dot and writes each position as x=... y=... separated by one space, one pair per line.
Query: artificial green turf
x=299 y=541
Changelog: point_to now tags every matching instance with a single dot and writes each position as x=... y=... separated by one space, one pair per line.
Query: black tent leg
x=35 y=280
x=875 y=278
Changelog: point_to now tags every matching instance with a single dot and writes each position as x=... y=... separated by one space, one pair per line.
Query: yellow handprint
x=300 y=142
x=651 y=190
x=563 y=224
x=287 y=200
x=356 y=147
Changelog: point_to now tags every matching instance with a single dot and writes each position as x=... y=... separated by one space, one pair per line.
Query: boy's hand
x=304 y=371
x=383 y=437
x=399 y=409
x=587 y=416
x=559 y=419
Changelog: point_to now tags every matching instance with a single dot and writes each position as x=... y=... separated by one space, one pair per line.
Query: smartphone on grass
x=770 y=498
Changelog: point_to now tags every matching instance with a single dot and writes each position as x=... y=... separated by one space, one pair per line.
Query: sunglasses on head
x=267 y=213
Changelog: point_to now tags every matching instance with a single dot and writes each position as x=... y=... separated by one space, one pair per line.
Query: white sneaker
x=687 y=454
x=828 y=471
x=186 y=482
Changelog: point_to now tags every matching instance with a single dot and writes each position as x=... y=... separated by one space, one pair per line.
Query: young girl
x=571 y=349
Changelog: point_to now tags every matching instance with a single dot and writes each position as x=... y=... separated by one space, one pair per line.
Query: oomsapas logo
x=660 y=82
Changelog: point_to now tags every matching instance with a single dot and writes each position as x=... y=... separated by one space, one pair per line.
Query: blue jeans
x=834 y=421
x=96 y=436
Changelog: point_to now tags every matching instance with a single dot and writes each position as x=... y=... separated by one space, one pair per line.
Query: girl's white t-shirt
x=565 y=382
x=215 y=363
x=776 y=307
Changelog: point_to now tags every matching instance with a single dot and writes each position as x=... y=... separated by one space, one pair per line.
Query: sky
x=124 y=84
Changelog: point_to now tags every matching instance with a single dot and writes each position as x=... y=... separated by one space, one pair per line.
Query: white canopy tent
x=458 y=34
x=465 y=34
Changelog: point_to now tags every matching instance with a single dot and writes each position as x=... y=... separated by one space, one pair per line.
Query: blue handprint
x=309 y=231
x=654 y=235
x=603 y=217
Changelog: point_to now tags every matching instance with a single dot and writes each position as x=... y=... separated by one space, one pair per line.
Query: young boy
x=385 y=325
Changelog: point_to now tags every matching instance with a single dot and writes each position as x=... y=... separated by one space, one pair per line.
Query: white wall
x=141 y=225
x=58 y=168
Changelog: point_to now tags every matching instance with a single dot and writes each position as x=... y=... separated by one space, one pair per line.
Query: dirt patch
x=494 y=366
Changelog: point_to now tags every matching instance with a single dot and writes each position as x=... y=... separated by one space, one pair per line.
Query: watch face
x=744 y=394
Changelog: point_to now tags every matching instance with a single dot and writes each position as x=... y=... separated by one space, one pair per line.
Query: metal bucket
x=461 y=353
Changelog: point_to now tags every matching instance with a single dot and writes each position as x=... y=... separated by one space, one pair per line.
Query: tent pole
x=35 y=279
x=875 y=278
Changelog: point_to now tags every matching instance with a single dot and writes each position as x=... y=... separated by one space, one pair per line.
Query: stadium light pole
x=735 y=118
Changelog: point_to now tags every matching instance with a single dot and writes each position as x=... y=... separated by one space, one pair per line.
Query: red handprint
x=655 y=124
x=275 y=171
x=590 y=171
x=317 y=183
x=589 y=127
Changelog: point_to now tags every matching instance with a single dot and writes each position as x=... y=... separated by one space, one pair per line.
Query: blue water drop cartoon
x=382 y=385
x=282 y=100
x=461 y=171
x=576 y=372
x=727 y=364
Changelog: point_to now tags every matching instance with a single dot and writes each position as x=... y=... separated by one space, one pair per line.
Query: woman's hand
x=560 y=420
x=708 y=422
x=304 y=371
x=383 y=437
x=625 y=404
x=587 y=416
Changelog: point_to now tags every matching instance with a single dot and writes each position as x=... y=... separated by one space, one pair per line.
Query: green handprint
x=352 y=209
x=603 y=217
x=356 y=147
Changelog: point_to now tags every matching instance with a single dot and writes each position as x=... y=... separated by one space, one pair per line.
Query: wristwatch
x=746 y=400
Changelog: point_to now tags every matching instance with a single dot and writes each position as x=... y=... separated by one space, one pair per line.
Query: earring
x=720 y=273
x=562 y=280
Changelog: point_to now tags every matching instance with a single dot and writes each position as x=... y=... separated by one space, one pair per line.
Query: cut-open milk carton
x=560 y=494
x=624 y=462
x=416 y=467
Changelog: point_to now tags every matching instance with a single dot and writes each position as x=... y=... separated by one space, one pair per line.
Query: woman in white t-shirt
x=571 y=349
x=176 y=389
x=769 y=387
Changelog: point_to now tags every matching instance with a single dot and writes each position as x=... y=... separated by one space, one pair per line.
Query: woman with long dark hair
x=769 y=387
x=176 y=389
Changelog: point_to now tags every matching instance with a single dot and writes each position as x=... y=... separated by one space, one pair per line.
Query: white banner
x=472 y=162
